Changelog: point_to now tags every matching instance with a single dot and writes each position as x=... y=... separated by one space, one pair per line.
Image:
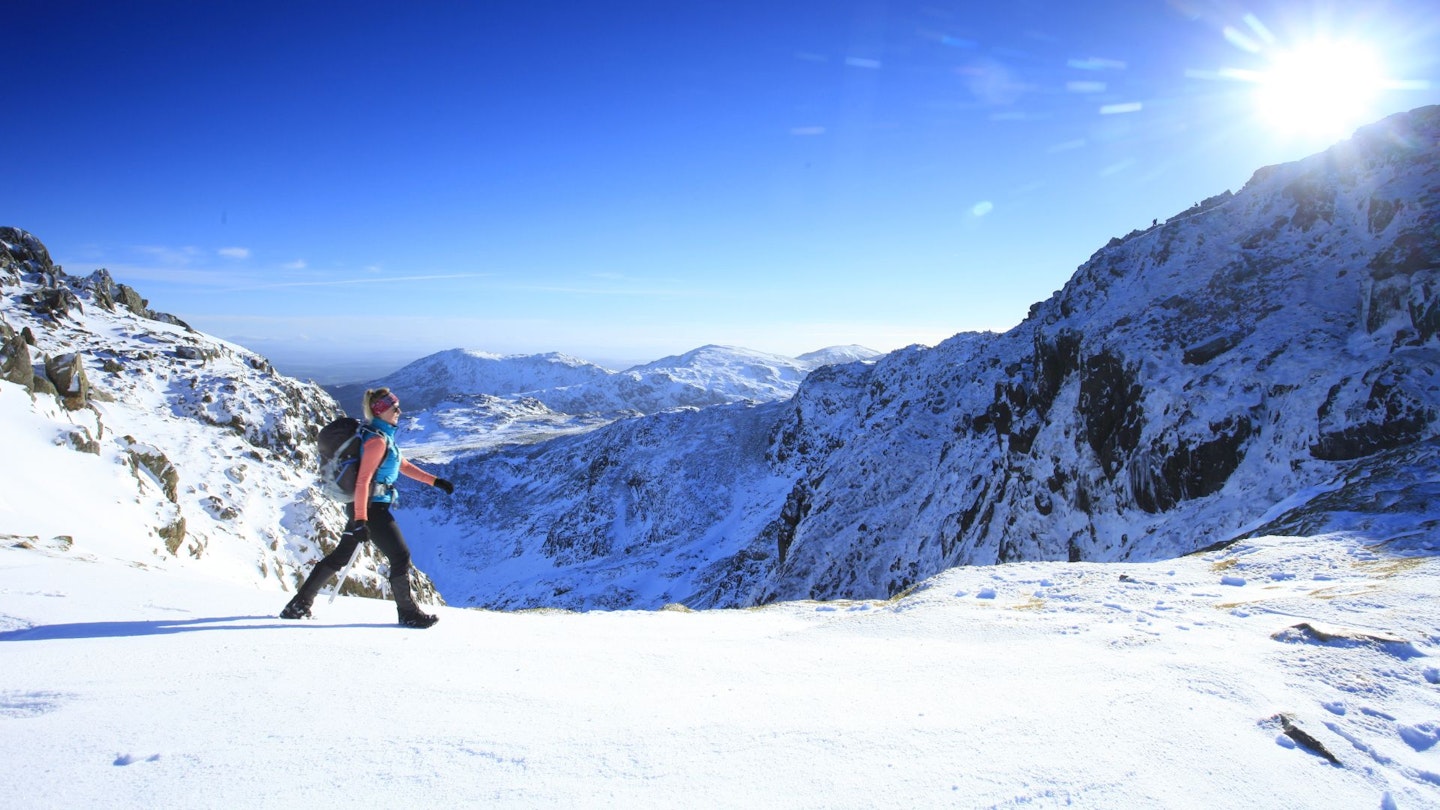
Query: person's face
x=391 y=414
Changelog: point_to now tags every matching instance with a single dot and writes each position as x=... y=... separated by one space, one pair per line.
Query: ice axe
x=343 y=575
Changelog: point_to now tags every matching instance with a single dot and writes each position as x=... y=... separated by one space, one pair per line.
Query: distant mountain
x=836 y=355
x=709 y=375
x=1263 y=362
x=456 y=374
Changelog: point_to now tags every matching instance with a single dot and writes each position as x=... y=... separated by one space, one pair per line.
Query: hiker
x=381 y=465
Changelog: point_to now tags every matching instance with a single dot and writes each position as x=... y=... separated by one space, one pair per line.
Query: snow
x=1029 y=684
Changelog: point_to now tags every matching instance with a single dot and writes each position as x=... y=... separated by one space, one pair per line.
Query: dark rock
x=1190 y=469
x=152 y=459
x=1412 y=251
x=1208 y=350
x=22 y=254
x=1111 y=409
x=1387 y=407
x=1314 y=200
x=53 y=302
x=15 y=363
x=67 y=372
x=1382 y=212
x=1303 y=738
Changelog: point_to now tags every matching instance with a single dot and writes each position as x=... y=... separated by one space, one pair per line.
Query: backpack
x=339 y=444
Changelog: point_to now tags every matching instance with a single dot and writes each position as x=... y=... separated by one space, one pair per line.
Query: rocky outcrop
x=207 y=428
x=22 y=255
x=16 y=365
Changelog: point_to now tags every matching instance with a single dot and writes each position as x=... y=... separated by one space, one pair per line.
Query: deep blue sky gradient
x=628 y=179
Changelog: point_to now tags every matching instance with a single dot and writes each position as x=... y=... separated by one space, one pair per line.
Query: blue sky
x=626 y=180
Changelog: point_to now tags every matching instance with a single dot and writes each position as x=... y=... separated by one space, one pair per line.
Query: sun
x=1323 y=89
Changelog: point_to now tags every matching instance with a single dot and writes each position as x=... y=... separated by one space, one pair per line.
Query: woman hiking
x=381 y=465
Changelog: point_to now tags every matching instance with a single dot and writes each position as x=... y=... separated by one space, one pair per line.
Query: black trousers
x=385 y=534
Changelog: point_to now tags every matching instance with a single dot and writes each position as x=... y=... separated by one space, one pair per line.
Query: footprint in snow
x=129 y=759
x=1421 y=737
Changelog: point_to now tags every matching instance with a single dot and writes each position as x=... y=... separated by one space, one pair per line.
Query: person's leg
x=299 y=606
x=386 y=535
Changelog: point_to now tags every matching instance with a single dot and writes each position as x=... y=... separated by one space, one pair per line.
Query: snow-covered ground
x=1168 y=684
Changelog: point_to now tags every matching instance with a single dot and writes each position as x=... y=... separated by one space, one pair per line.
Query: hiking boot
x=298 y=608
x=416 y=618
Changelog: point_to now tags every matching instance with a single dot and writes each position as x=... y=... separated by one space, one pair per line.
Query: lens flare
x=1323 y=89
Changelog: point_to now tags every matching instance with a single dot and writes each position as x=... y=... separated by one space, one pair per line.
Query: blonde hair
x=370 y=396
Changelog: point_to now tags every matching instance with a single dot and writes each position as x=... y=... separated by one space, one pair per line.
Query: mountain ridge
x=707 y=375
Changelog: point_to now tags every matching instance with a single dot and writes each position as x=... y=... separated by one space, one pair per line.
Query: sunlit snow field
x=1036 y=684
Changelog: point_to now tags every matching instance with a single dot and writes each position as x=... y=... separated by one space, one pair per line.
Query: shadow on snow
x=162 y=627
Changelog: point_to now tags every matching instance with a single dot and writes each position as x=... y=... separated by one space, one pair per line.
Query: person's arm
x=412 y=471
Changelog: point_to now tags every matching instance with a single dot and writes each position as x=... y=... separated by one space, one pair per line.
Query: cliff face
x=1192 y=382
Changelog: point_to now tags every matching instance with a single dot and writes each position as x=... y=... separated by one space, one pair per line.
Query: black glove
x=359 y=529
x=441 y=483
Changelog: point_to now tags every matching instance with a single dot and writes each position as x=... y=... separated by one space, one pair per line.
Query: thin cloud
x=169 y=255
x=352 y=281
x=639 y=292
x=234 y=252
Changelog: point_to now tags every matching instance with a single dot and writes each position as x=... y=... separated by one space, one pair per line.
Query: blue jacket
x=382 y=487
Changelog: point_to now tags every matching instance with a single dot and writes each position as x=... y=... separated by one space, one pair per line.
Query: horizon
x=628 y=183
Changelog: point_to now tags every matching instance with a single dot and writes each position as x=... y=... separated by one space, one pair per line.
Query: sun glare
x=1323 y=89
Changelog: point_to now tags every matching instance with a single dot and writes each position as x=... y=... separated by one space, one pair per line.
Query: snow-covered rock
x=179 y=451
x=1188 y=380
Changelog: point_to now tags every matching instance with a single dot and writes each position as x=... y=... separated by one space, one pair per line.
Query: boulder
x=15 y=363
x=53 y=302
x=67 y=372
x=153 y=460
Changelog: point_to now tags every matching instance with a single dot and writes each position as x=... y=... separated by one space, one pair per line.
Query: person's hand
x=359 y=529
x=441 y=483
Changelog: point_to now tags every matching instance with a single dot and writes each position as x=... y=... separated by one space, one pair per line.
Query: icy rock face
x=220 y=447
x=1189 y=377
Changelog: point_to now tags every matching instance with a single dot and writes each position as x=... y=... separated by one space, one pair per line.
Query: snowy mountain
x=460 y=373
x=836 y=355
x=1265 y=361
x=709 y=375
x=179 y=452
x=463 y=402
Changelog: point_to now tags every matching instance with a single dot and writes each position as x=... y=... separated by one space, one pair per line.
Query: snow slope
x=1256 y=350
x=1196 y=682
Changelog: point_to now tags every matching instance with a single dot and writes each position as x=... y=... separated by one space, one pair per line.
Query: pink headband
x=384 y=404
